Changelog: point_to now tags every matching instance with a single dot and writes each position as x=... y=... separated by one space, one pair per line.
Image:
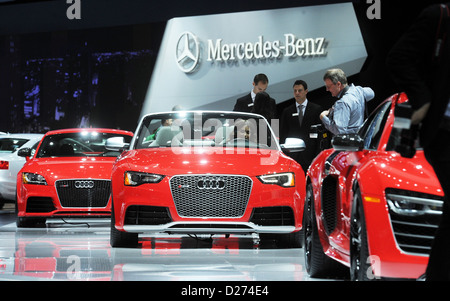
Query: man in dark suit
x=420 y=65
x=245 y=103
x=296 y=121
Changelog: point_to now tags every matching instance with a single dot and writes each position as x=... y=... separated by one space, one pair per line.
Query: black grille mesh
x=329 y=193
x=414 y=234
x=273 y=216
x=72 y=197
x=226 y=200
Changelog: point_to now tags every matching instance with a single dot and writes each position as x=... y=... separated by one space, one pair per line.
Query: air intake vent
x=415 y=218
x=147 y=215
x=329 y=193
x=273 y=216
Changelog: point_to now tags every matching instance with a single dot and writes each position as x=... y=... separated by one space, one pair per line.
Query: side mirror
x=347 y=142
x=24 y=152
x=116 y=144
x=293 y=145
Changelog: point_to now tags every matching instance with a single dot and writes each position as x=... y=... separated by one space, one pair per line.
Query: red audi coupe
x=68 y=175
x=369 y=208
x=207 y=173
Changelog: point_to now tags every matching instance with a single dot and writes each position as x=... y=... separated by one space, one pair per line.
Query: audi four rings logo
x=187 y=52
x=84 y=184
x=211 y=183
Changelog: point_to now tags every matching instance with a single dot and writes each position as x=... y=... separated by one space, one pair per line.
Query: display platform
x=79 y=249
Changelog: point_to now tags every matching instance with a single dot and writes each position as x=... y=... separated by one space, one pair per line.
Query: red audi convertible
x=207 y=173
x=369 y=208
x=68 y=175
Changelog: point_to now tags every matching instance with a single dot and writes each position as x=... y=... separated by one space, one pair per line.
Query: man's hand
x=324 y=113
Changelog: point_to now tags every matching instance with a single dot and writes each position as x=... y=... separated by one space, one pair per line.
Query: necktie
x=300 y=114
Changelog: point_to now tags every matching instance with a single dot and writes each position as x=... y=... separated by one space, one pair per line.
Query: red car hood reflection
x=169 y=161
x=72 y=168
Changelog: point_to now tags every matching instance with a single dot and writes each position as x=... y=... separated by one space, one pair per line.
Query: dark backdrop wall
x=58 y=73
x=89 y=77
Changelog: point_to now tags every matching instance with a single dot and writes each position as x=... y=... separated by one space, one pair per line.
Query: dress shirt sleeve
x=338 y=122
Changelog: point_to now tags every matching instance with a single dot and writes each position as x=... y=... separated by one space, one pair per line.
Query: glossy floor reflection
x=81 y=251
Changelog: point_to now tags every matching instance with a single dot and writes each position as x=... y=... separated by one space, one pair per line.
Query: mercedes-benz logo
x=215 y=183
x=84 y=184
x=187 y=52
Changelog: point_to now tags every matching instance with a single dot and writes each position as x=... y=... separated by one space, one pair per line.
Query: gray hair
x=336 y=75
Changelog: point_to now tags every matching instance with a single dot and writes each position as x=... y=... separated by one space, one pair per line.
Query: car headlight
x=33 y=178
x=133 y=178
x=282 y=179
x=413 y=205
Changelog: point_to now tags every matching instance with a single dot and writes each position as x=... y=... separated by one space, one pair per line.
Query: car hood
x=417 y=173
x=71 y=168
x=414 y=174
x=169 y=161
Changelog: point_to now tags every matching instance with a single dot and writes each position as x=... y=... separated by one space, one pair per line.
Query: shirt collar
x=253 y=95
x=343 y=92
x=303 y=104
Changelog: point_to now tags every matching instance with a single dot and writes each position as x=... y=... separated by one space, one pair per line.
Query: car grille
x=213 y=196
x=415 y=218
x=81 y=193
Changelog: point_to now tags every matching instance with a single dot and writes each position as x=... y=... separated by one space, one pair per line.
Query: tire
x=318 y=265
x=119 y=238
x=360 y=267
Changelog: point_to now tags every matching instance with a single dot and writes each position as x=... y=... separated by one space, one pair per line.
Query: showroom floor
x=81 y=250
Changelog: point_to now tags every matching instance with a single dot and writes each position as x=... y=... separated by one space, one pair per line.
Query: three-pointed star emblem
x=187 y=52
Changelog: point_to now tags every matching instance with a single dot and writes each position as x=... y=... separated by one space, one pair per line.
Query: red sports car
x=369 y=208
x=69 y=175
x=207 y=173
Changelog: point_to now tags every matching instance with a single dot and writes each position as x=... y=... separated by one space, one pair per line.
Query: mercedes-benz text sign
x=290 y=46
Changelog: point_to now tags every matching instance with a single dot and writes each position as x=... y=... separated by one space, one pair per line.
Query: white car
x=11 y=163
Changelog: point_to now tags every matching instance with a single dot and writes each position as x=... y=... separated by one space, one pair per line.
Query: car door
x=336 y=188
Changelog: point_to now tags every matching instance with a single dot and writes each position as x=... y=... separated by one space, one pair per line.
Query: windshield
x=204 y=129
x=79 y=144
x=10 y=145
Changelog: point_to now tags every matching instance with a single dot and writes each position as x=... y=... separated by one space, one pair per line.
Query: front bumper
x=209 y=228
x=151 y=208
x=47 y=201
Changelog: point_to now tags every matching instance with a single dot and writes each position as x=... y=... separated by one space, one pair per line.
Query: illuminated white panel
x=225 y=51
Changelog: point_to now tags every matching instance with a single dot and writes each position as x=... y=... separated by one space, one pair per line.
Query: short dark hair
x=261 y=77
x=301 y=82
